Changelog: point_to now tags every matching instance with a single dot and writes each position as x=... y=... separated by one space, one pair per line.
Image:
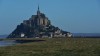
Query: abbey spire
x=38 y=11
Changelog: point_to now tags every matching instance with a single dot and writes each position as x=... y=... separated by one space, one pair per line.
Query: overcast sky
x=76 y=16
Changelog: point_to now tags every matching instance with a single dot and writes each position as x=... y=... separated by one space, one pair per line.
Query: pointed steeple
x=38 y=11
x=38 y=8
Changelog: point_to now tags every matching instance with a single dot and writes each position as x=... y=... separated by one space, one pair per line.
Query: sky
x=75 y=16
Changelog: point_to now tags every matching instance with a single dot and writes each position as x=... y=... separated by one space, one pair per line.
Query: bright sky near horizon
x=76 y=16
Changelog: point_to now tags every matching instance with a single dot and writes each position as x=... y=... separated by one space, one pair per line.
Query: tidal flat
x=54 y=47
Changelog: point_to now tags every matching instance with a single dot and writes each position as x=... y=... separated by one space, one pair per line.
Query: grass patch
x=55 y=47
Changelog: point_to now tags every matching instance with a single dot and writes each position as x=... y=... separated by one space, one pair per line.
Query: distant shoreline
x=86 y=35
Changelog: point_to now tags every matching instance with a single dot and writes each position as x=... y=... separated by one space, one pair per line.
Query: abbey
x=37 y=20
x=38 y=26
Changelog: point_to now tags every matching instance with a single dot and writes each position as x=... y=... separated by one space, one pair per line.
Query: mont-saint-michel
x=39 y=35
x=38 y=26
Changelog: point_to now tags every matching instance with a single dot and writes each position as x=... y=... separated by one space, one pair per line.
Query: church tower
x=38 y=11
x=41 y=18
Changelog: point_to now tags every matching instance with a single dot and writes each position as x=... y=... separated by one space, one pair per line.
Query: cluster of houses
x=51 y=35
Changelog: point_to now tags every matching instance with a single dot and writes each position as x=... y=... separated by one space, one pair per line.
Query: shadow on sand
x=27 y=41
